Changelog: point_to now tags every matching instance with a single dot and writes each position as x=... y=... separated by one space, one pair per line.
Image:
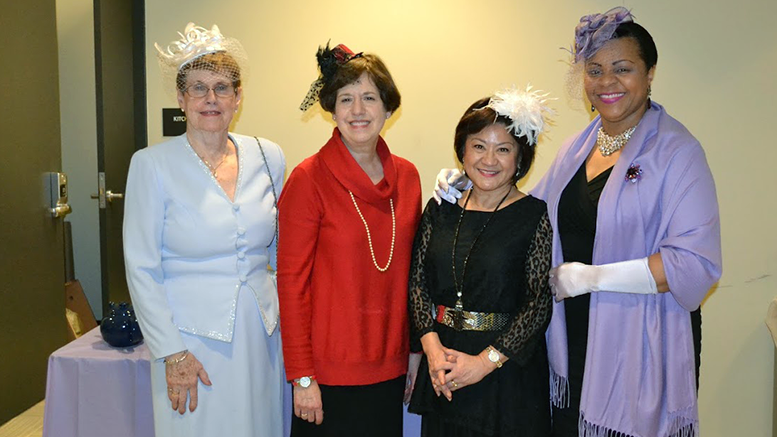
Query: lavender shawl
x=640 y=369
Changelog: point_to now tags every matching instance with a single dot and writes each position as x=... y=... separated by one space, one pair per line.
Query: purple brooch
x=634 y=173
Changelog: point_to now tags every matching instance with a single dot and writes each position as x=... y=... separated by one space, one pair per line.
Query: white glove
x=574 y=279
x=450 y=183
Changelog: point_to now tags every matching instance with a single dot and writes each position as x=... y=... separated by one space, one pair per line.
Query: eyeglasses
x=199 y=90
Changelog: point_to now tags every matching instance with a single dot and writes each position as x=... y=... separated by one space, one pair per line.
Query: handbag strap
x=274 y=195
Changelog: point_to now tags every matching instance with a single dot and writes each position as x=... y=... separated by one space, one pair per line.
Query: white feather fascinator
x=194 y=42
x=527 y=110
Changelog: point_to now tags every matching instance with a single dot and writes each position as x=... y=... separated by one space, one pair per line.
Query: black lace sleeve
x=520 y=339
x=419 y=300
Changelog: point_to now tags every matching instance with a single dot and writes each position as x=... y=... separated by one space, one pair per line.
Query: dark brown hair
x=349 y=72
x=478 y=117
x=218 y=62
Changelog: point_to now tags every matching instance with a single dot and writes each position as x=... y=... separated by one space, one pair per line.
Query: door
x=32 y=278
x=121 y=125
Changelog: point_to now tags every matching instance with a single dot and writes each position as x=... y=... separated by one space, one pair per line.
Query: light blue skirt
x=249 y=390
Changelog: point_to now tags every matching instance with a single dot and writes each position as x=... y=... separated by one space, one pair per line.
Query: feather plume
x=527 y=110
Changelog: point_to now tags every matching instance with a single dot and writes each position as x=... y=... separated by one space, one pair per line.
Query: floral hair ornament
x=634 y=173
x=195 y=42
x=329 y=60
x=596 y=29
x=526 y=109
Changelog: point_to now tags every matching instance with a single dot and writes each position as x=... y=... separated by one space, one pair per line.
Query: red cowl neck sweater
x=341 y=319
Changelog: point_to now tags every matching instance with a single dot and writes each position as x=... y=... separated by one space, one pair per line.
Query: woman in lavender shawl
x=636 y=248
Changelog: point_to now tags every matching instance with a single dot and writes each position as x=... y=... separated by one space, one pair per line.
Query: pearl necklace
x=608 y=145
x=369 y=237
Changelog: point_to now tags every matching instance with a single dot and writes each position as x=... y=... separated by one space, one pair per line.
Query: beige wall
x=75 y=34
x=715 y=74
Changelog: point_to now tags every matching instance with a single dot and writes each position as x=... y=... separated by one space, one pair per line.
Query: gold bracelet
x=177 y=360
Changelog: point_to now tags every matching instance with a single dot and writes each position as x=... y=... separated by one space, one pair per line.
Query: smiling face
x=210 y=113
x=360 y=113
x=616 y=82
x=490 y=158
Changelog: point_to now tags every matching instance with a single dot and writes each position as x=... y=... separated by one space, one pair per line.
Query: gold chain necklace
x=369 y=237
x=212 y=168
x=608 y=145
x=208 y=164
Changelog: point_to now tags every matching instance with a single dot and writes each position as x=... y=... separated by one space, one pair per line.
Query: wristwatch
x=303 y=382
x=493 y=356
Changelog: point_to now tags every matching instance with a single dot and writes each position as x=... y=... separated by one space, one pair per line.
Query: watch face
x=304 y=382
x=493 y=356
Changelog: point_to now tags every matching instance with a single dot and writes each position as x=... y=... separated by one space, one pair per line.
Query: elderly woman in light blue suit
x=199 y=235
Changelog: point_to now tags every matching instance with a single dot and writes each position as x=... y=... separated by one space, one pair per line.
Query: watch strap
x=304 y=381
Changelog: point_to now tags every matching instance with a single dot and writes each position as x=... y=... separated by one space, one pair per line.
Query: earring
x=334 y=117
x=592 y=107
x=649 y=103
x=388 y=115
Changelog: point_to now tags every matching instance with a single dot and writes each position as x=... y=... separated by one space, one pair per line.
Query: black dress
x=577 y=213
x=507 y=272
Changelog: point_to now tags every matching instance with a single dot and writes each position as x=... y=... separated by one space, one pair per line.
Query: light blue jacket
x=188 y=249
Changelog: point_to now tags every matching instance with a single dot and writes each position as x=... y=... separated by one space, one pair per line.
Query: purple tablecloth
x=95 y=390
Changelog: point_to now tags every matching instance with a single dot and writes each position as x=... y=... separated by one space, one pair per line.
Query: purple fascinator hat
x=596 y=29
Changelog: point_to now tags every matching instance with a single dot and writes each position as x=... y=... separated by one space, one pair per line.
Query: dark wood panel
x=32 y=315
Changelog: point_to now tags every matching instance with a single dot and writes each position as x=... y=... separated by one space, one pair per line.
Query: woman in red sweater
x=348 y=215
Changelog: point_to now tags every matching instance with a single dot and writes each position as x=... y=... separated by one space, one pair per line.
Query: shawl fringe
x=559 y=390
x=680 y=427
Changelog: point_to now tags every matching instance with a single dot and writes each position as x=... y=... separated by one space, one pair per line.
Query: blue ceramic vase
x=120 y=327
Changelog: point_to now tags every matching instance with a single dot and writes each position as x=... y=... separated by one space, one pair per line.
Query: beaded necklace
x=458 y=316
x=610 y=144
x=369 y=237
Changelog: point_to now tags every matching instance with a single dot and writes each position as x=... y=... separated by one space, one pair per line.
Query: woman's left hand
x=635 y=276
x=571 y=280
x=183 y=378
x=467 y=369
x=413 y=362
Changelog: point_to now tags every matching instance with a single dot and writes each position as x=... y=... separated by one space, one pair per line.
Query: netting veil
x=227 y=56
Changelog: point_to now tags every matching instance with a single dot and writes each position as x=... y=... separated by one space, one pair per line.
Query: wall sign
x=173 y=122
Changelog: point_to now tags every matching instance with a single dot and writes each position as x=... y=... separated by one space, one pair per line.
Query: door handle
x=110 y=195
x=56 y=194
x=60 y=211
x=104 y=196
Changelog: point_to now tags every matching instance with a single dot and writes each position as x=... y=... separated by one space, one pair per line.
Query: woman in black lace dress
x=479 y=302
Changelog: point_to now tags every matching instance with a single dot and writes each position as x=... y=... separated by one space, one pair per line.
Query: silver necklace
x=608 y=145
x=369 y=237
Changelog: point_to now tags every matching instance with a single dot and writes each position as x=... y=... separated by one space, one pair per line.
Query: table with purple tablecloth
x=94 y=390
